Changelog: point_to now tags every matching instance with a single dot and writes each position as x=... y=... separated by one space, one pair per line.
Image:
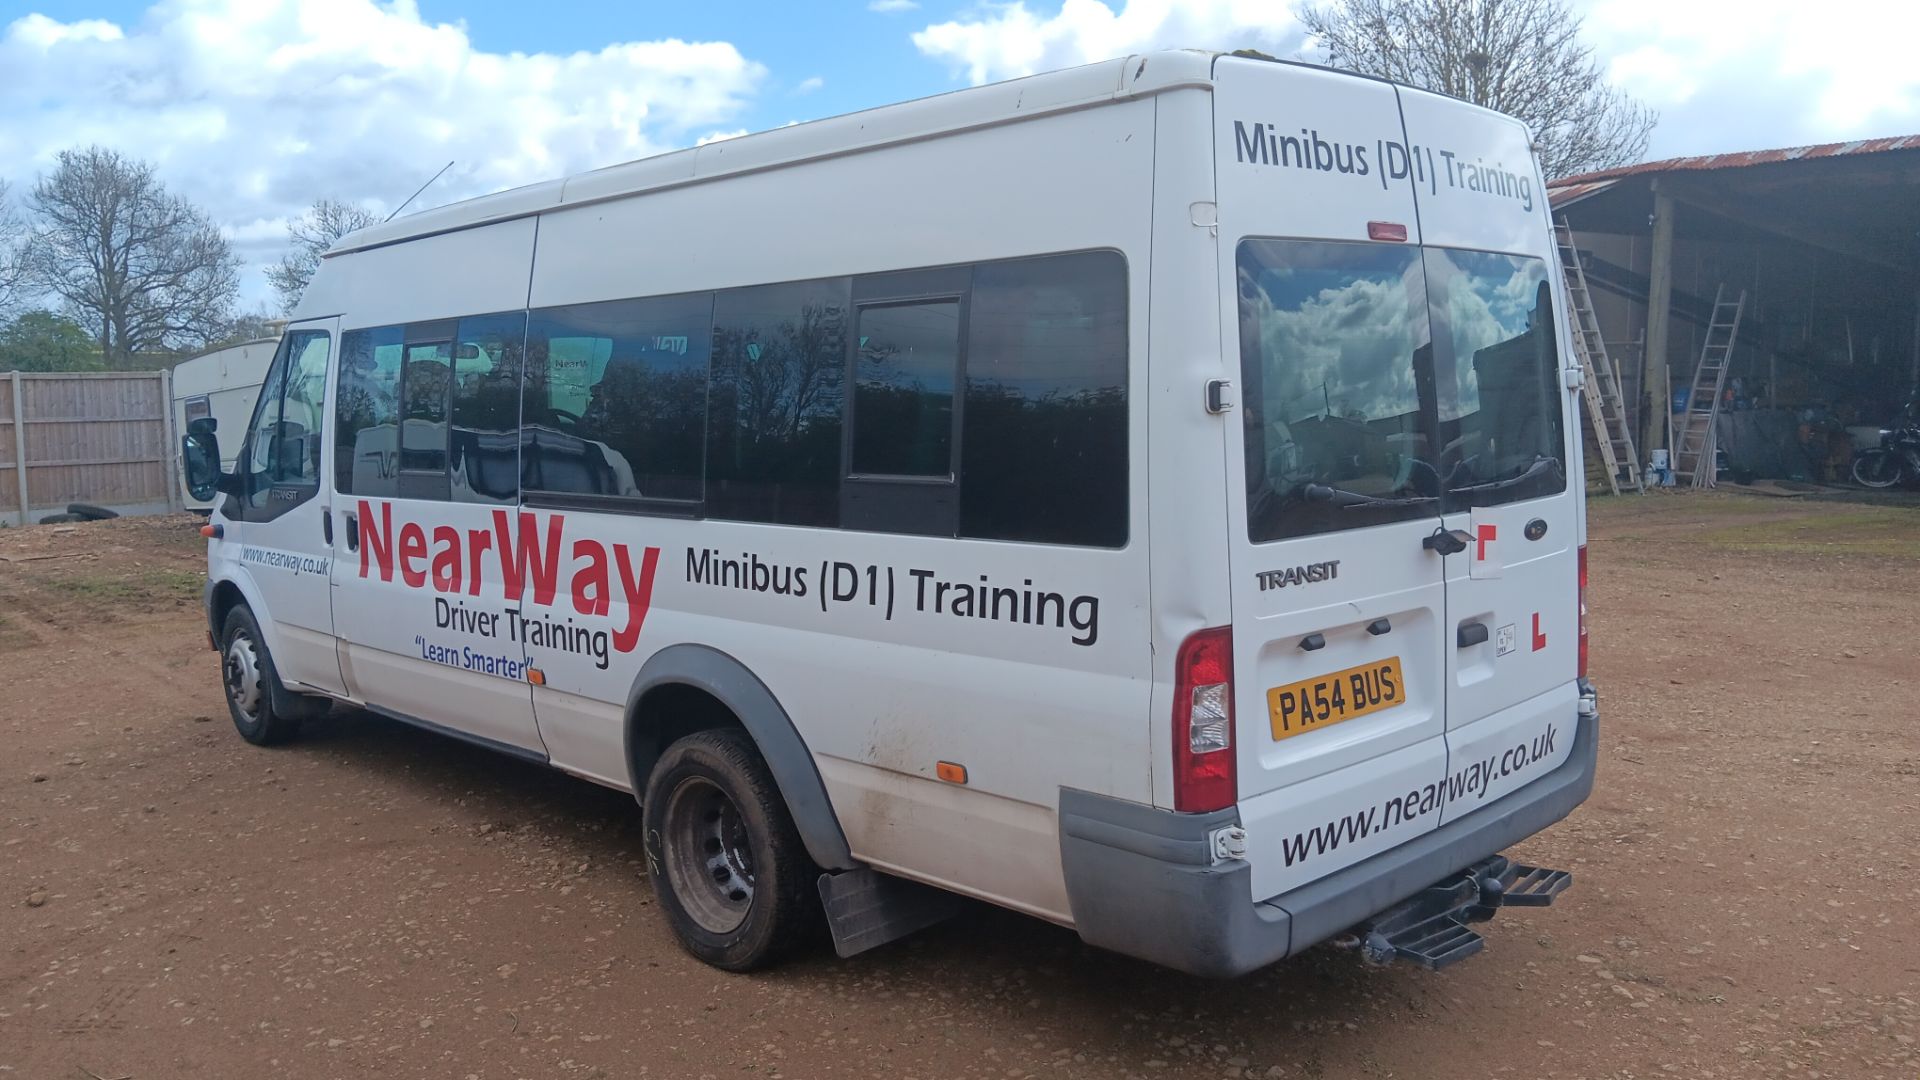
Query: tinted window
x=484 y=450
x=774 y=405
x=616 y=398
x=1044 y=443
x=367 y=412
x=426 y=372
x=1498 y=379
x=1335 y=367
x=904 y=369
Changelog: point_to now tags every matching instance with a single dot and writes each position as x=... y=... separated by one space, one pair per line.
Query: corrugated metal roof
x=1730 y=161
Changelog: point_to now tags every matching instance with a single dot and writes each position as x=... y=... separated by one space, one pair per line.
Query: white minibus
x=1145 y=496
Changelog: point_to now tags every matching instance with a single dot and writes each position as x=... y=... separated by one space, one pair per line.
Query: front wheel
x=1876 y=469
x=725 y=859
x=246 y=673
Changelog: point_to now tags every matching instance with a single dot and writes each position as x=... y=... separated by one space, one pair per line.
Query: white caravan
x=1139 y=496
x=222 y=384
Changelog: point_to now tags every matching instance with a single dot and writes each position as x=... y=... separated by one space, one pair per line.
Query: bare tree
x=1521 y=57
x=13 y=254
x=311 y=234
x=144 y=270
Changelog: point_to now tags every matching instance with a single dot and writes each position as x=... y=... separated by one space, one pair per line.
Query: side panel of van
x=1025 y=662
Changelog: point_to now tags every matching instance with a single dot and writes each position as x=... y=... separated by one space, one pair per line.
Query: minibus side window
x=484 y=447
x=615 y=400
x=1043 y=447
x=774 y=404
x=366 y=448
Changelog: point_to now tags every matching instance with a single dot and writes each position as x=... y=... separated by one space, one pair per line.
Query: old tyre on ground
x=1876 y=469
x=246 y=673
x=723 y=854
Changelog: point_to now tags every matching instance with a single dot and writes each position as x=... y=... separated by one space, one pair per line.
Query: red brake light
x=1387 y=230
x=1583 y=611
x=1203 y=771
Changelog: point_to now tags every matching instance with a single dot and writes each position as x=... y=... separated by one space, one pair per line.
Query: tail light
x=1583 y=611
x=1203 y=770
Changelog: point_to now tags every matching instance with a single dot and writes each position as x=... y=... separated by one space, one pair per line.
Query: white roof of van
x=959 y=110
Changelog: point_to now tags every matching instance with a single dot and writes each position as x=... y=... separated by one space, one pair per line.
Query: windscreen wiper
x=1539 y=467
x=1352 y=499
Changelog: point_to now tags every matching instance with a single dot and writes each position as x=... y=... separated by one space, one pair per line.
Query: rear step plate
x=1430 y=927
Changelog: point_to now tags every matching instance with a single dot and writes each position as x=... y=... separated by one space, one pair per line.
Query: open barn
x=1805 y=260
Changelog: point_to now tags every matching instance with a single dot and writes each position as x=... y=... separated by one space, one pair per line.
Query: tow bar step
x=1534 y=886
x=1430 y=927
x=1435 y=943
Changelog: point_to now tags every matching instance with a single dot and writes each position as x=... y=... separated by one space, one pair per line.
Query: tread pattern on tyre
x=785 y=914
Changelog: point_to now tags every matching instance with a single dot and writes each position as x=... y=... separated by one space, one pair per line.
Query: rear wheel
x=246 y=673
x=724 y=856
x=1876 y=469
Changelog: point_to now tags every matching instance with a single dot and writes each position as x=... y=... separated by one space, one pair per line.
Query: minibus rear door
x=1336 y=547
x=1507 y=419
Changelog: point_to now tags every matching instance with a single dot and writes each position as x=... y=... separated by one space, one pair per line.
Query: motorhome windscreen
x=1382 y=383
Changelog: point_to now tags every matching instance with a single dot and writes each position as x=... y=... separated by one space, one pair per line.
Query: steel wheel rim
x=240 y=671
x=708 y=856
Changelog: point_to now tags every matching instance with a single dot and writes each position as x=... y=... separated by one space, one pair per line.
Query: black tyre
x=90 y=512
x=61 y=519
x=723 y=854
x=246 y=673
x=1876 y=469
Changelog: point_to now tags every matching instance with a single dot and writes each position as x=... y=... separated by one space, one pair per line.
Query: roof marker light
x=1387 y=230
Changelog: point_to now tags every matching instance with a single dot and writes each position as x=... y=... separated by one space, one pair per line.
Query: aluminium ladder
x=1694 y=441
x=1606 y=406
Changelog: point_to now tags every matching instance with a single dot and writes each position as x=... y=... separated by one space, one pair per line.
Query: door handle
x=1473 y=633
x=1448 y=541
x=326 y=525
x=353 y=530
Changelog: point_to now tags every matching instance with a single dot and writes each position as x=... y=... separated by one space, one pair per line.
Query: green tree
x=44 y=341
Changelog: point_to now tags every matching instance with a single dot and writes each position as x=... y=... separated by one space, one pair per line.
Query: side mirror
x=200 y=458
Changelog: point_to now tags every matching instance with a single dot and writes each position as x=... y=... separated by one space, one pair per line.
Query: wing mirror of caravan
x=200 y=459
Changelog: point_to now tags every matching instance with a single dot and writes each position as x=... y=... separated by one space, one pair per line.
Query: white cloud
x=1747 y=74
x=718 y=136
x=888 y=7
x=809 y=85
x=254 y=108
x=1008 y=40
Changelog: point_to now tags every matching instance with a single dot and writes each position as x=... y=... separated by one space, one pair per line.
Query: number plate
x=1341 y=695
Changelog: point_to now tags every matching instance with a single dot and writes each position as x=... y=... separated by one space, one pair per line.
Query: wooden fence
x=104 y=438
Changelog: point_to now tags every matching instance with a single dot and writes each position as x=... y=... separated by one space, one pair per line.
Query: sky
x=255 y=108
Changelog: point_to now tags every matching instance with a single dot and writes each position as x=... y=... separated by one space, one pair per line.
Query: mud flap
x=866 y=909
x=1430 y=928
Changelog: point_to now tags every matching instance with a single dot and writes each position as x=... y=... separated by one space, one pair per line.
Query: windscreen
x=1385 y=382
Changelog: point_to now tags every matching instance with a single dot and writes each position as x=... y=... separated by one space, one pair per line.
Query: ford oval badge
x=1536 y=528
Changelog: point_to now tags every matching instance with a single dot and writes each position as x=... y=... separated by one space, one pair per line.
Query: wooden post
x=1656 y=384
x=20 y=447
x=170 y=444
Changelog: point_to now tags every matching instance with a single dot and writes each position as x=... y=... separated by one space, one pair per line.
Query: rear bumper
x=1143 y=881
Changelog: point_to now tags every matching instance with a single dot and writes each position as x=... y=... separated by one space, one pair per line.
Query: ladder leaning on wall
x=1606 y=407
x=1694 y=441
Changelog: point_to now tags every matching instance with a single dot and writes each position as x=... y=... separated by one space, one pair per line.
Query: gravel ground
x=179 y=904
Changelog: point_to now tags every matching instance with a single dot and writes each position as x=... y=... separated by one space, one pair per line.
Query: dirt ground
x=176 y=903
